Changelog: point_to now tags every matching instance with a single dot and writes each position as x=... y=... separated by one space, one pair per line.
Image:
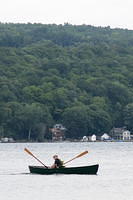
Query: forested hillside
x=80 y=76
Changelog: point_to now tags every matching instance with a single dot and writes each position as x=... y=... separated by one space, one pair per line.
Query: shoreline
x=67 y=141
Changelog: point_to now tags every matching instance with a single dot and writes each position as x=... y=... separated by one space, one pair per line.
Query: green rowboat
x=92 y=169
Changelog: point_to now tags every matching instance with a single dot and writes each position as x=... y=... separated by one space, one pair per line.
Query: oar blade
x=82 y=154
x=25 y=149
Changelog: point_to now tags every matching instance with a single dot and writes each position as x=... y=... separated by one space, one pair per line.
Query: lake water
x=114 y=180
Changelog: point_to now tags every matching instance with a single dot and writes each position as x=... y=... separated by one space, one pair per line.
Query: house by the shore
x=58 y=132
x=121 y=134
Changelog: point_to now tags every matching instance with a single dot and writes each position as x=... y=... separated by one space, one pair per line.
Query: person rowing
x=58 y=163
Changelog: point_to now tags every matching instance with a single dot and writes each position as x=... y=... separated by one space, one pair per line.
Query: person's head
x=55 y=156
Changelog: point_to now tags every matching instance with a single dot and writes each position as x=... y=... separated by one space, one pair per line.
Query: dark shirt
x=58 y=163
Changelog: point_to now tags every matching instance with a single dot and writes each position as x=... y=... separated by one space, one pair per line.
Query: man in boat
x=57 y=163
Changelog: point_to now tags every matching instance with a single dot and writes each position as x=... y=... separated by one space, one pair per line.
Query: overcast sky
x=113 y=13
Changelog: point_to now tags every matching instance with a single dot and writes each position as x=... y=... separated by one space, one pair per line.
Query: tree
x=75 y=120
x=128 y=116
x=28 y=117
x=100 y=121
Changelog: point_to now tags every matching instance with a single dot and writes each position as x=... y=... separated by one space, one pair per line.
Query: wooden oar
x=81 y=154
x=25 y=149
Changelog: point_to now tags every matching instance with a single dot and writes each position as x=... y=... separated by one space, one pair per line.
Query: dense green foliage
x=80 y=76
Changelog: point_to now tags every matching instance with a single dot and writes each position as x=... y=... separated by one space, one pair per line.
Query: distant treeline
x=80 y=76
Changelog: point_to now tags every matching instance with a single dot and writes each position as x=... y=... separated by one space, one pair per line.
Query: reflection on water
x=114 y=179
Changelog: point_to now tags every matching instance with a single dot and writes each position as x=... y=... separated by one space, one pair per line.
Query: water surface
x=114 y=180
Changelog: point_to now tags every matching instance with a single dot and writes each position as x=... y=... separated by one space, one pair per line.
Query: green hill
x=80 y=76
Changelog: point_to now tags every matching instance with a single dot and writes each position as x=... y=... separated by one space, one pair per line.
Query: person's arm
x=53 y=166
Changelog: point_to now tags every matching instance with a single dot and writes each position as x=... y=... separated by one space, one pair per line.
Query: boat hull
x=92 y=169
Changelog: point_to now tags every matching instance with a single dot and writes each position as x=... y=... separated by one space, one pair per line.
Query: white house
x=5 y=139
x=84 y=139
x=105 y=136
x=93 y=138
x=126 y=135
